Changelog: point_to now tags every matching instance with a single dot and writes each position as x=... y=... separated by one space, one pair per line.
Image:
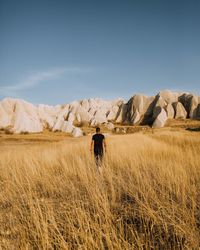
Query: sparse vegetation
x=24 y=132
x=147 y=197
x=8 y=131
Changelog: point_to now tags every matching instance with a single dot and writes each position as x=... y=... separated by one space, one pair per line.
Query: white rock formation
x=121 y=115
x=198 y=112
x=6 y=112
x=85 y=104
x=160 y=120
x=63 y=126
x=170 y=111
x=138 y=107
x=193 y=104
x=77 y=132
x=83 y=115
x=71 y=117
x=180 y=112
x=110 y=126
x=136 y=117
x=48 y=114
x=169 y=96
x=156 y=111
x=19 y=116
x=25 y=118
x=67 y=127
x=99 y=117
x=111 y=116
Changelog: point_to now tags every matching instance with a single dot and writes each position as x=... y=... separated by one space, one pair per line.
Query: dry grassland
x=147 y=197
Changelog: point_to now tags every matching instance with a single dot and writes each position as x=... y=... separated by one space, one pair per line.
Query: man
x=99 y=143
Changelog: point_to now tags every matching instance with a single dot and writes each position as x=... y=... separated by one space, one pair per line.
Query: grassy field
x=147 y=196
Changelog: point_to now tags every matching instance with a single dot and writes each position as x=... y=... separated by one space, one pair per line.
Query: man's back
x=98 y=141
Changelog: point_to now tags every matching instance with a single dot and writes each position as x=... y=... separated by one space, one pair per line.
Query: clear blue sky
x=55 y=51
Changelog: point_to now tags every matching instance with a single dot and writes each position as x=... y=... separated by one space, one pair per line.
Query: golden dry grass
x=147 y=197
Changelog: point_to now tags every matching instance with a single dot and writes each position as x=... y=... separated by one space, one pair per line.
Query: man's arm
x=91 y=146
x=104 y=144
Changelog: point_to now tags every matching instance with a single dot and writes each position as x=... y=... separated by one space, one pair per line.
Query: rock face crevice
x=19 y=116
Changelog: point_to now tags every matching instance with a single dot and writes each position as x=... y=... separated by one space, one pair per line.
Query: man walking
x=99 y=144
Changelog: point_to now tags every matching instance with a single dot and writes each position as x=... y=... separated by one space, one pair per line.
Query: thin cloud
x=39 y=78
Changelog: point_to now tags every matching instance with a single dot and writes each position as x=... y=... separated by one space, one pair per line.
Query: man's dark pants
x=98 y=154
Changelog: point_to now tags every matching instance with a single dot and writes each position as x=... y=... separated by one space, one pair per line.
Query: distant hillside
x=19 y=116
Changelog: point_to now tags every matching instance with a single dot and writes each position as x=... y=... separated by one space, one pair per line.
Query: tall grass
x=147 y=197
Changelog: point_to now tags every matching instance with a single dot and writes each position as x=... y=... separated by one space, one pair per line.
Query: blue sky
x=56 y=51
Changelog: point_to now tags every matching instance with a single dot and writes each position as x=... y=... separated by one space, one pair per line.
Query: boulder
x=170 y=111
x=184 y=99
x=58 y=125
x=77 y=132
x=193 y=104
x=67 y=127
x=148 y=115
x=64 y=126
x=25 y=118
x=109 y=126
x=190 y=103
x=160 y=120
x=157 y=105
x=180 y=112
x=121 y=114
x=144 y=105
x=137 y=103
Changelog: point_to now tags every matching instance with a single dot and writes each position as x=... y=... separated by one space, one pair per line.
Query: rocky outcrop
x=138 y=109
x=20 y=116
x=25 y=119
x=111 y=115
x=122 y=112
x=63 y=126
x=180 y=112
x=168 y=96
x=77 y=132
x=198 y=112
x=170 y=111
x=160 y=119
x=190 y=103
x=110 y=126
x=6 y=113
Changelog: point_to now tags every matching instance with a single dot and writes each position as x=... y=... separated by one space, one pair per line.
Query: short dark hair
x=97 y=129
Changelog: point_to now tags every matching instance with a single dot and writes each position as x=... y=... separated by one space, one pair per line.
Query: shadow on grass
x=193 y=129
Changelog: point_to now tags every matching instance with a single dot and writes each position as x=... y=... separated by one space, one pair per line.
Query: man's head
x=97 y=130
